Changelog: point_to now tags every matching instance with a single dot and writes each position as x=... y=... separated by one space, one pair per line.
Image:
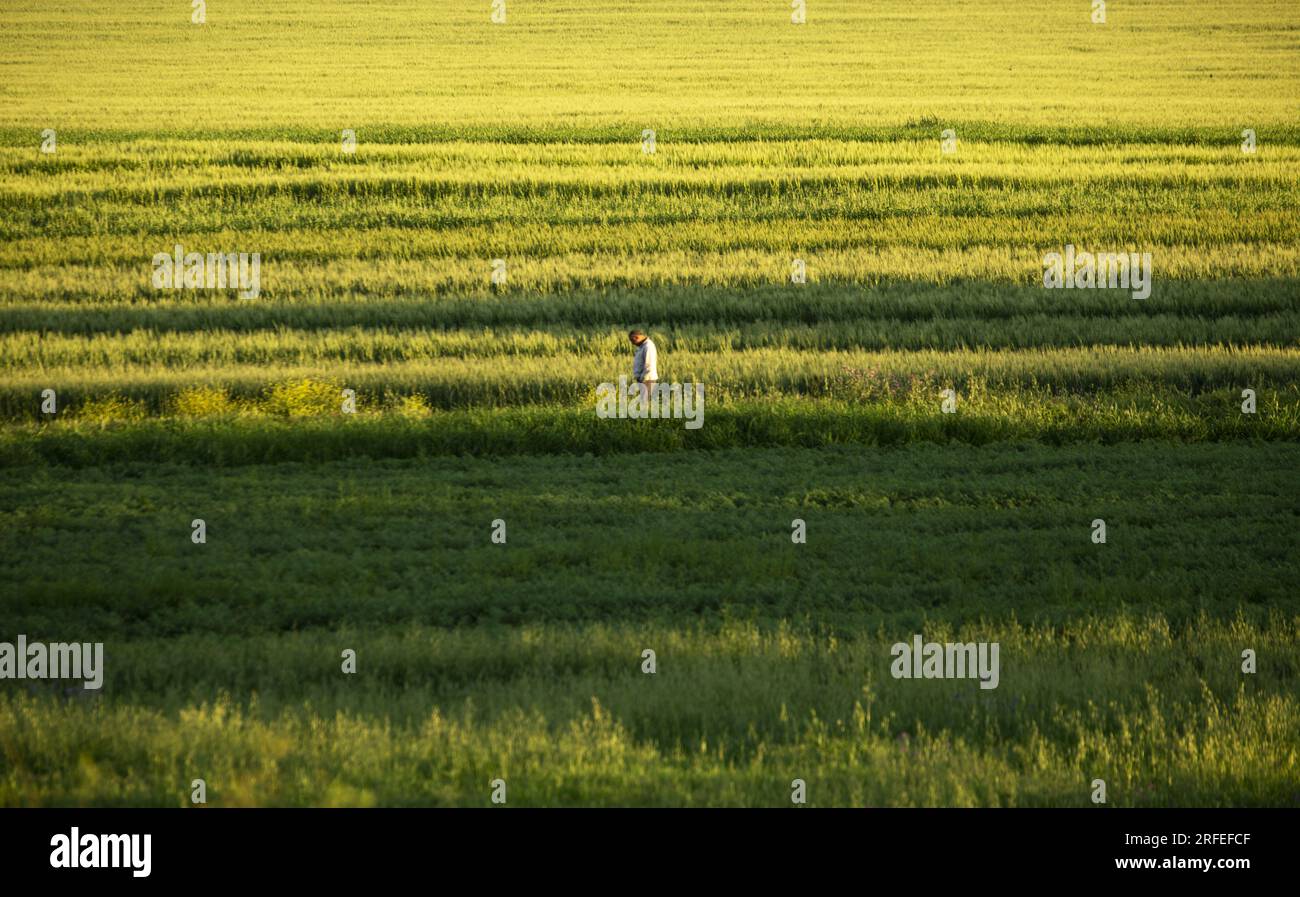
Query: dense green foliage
x=1118 y=660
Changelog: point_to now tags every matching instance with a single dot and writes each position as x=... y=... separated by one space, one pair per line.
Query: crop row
x=34 y=351
x=889 y=307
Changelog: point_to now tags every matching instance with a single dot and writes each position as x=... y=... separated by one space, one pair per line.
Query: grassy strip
x=665 y=310
x=1166 y=718
x=350 y=346
x=1203 y=382
x=545 y=429
x=628 y=131
x=896 y=536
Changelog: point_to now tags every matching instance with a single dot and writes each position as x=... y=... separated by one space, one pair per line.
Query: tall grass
x=1151 y=376
x=566 y=717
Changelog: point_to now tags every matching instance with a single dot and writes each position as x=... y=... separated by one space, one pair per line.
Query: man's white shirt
x=646 y=364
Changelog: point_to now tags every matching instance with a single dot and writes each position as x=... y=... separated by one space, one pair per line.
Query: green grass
x=731 y=718
x=992 y=530
x=1120 y=661
x=118 y=430
x=475 y=402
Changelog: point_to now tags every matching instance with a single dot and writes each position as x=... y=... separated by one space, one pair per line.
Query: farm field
x=477 y=660
x=471 y=270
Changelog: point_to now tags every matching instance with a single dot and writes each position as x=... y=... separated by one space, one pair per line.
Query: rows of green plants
x=478 y=660
x=778 y=307
x=143 y=349
x=1213 y=380
x=893 y=533
x=325 y=530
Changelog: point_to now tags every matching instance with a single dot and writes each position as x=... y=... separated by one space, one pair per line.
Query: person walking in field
x=645 y=366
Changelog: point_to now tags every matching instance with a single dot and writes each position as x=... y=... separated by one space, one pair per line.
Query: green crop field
x=427 y=563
